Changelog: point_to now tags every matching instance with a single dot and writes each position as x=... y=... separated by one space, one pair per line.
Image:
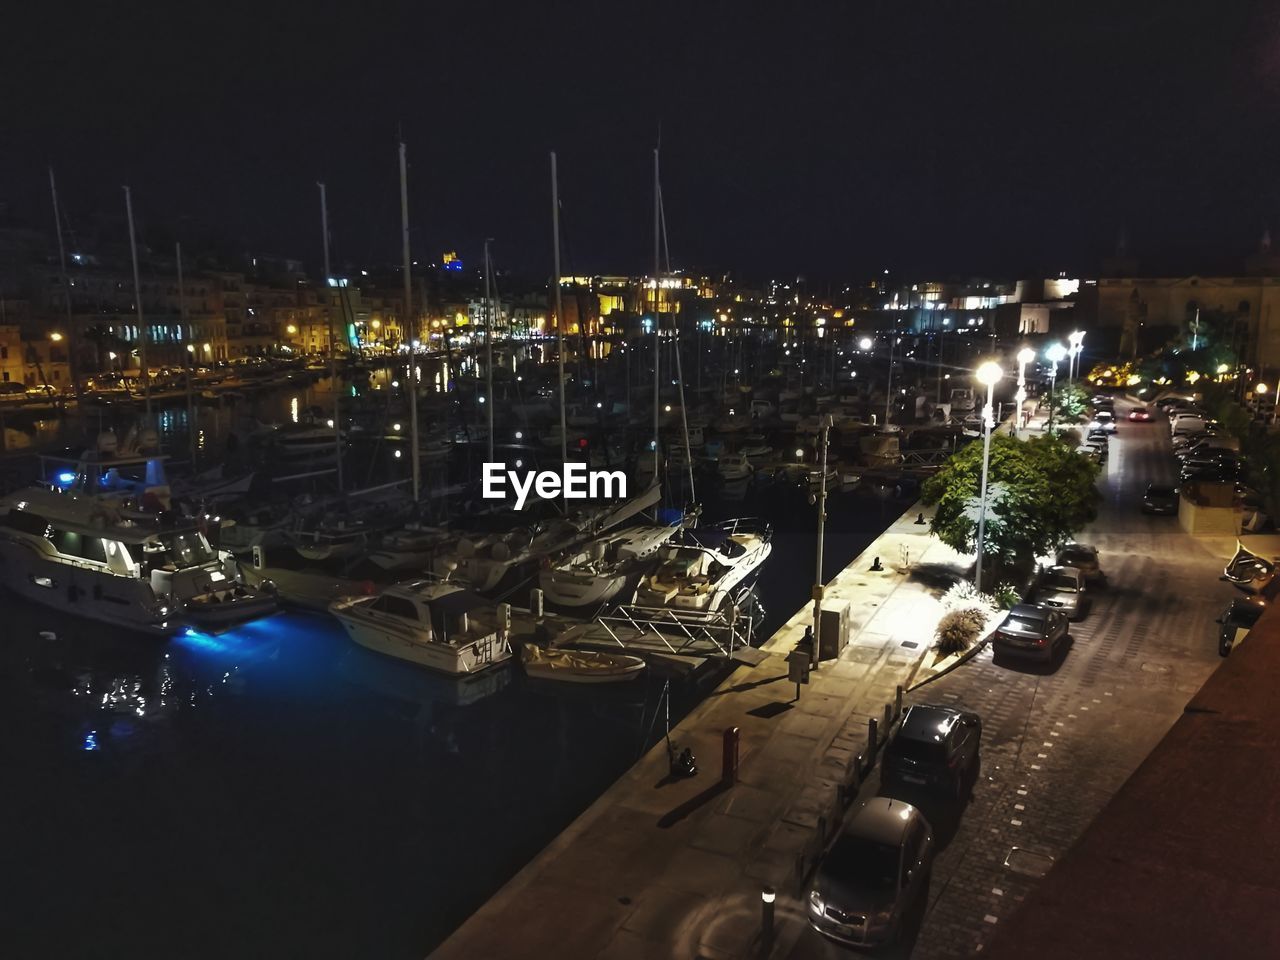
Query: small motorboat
x=579 y=666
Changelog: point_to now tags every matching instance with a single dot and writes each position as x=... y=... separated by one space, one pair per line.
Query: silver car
x=1063 y=588
x=874 y=872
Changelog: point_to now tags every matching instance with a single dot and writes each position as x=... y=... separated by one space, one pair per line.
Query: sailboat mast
x=488 y=345
x=191 y=358
x=555 y=240
x=657 y=291
x=333 y=343
x=675 y=326
x=411 y=321
x=66 y=292
x=137 y=296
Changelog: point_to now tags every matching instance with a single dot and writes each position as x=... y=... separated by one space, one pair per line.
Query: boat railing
x=678 y=632
x=746 y=525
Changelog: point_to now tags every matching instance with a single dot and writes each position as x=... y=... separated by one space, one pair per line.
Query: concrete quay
x=662 y=867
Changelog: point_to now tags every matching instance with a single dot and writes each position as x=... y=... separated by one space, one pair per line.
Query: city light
x=866 y=343
x=55 y=337
x=989 y=373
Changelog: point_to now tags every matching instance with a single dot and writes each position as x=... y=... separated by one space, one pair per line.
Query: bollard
x=875 y=565
x=920 y=520
x=871 y=737
x=729 y=756
x=897 y=701
x=888 y=717
x=767 y=896
x=535 y=602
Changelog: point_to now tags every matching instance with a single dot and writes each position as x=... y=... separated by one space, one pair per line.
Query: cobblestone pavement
x=1058 y=741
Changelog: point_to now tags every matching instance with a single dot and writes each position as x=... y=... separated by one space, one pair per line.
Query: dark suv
x=935 y=747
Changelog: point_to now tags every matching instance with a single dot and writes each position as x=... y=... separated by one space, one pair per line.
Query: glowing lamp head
x=989 y=373
x=1259 y=388
x=1026 y=355
x=866 y=343
x=1055 y=353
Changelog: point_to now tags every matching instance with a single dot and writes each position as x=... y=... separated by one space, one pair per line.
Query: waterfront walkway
x=662 y=867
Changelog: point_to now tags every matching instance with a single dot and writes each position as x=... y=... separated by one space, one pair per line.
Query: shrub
x=1006 y=596
x=961 y=594
x=959 y=628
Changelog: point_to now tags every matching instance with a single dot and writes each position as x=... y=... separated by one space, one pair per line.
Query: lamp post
x=1054 y=354
x=1261 y=390
x=819 y=584
x=888 y=390
x=1025 y=356
x=989 y=375
x=1076 y=339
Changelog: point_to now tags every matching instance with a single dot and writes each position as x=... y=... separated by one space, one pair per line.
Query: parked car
x=1084 y=558
x=1105 y=419
x=1140 y=415
x=1213 y=473
x=1236 y=622
x=1030 y=631
x=935 y=747
x=1203 y=444
x=1062 y=588
x=1160 y=499
x=1092 y=453
x=876 y=870
x=1188 y=423
x=1099 y=446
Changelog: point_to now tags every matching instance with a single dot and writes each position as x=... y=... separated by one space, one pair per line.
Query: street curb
x=964 y=658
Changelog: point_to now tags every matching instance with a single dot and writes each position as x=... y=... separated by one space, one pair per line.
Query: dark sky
x=832 y=139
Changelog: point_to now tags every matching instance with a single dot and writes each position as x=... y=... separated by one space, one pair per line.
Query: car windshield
x=866 y=863
x=1061 y=581
x=1073 y=557
x=1160 y=491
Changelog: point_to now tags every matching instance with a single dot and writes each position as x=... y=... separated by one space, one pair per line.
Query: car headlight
x=815 y=902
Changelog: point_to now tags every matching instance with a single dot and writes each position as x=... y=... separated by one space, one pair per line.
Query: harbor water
x=278 y=790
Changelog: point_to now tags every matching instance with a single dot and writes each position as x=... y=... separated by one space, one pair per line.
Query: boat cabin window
x=187 y=549
x=397 y=607
x=82 y=545
x=27 y=522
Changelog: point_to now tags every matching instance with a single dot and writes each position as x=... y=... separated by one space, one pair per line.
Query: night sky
x=830 y=139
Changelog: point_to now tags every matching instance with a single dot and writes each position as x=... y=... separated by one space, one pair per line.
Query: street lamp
x=1076 y=339
x=819 y=585
x=1054 y=354
x=1261 y=390
x=1025 y=356
x=988 y=375
x=55 y=337
x=866 y=343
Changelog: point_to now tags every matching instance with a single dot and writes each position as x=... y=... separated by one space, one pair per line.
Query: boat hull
x=89 y=594
x=393 y=641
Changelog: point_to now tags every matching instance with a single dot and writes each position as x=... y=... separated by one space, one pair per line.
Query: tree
x=1069 y=403
x=1039 y=493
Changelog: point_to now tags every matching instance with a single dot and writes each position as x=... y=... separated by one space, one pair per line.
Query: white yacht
x=79 y=554
x=413 y=545
x=735 y=466
x=605 y=569
x=496 y=563
x=438 y=625
x=706 y=567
